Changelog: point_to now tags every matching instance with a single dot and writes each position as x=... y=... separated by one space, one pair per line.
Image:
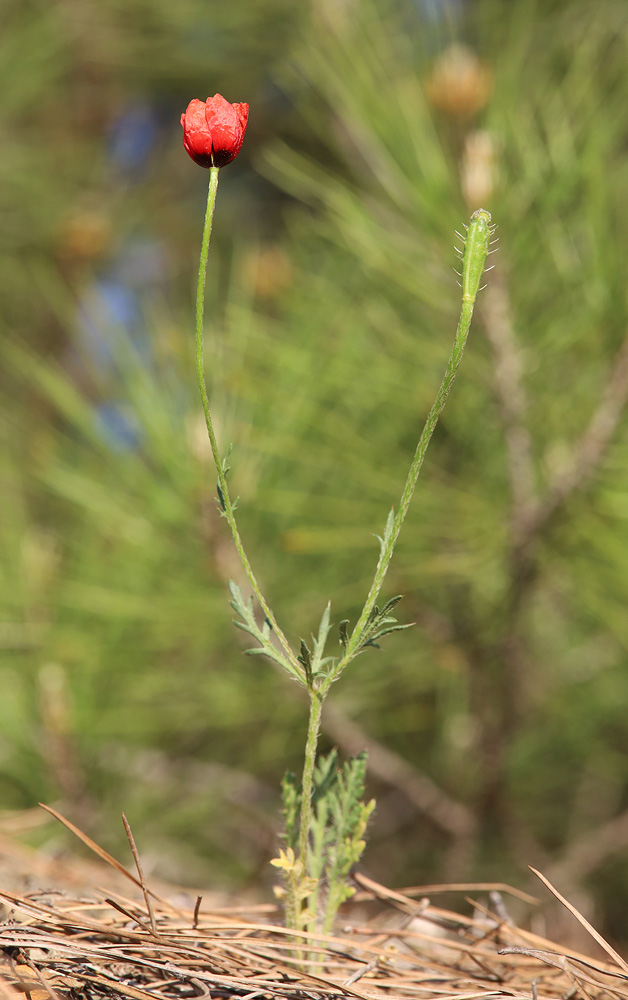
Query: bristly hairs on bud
x=476 y=243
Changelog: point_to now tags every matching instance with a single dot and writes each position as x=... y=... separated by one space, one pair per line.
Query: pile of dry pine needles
x=390 y=944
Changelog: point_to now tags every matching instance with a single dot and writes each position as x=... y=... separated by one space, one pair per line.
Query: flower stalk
x=225 y=501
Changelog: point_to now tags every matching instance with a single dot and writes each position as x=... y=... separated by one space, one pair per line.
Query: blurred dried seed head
x=85 y=236
x=334 y=14
x=460 y=84
x=269 y=271
x=477 y=169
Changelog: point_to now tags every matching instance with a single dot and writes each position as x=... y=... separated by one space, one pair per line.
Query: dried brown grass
x=58 y=946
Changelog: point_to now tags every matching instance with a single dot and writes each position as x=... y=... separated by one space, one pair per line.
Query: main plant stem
x=225 y=499
x=314 y=724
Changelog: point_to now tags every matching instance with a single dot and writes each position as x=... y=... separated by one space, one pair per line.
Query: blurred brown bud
x=477 y=170
x=269 y=271
x=85 y=236
x=460 y=84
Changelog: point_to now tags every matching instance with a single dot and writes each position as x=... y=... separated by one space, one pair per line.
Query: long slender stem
x=225 y=498
x=314 y=723
x=462 y=332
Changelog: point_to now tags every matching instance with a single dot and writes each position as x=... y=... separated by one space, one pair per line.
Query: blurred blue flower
x=117 y=426
x=438 y=10
x=105 y=310
x=109 y=315
x=133 y=137
x=110 y=322
x=141 y=263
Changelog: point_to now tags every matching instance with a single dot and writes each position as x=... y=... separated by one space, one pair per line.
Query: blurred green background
x=498 y=725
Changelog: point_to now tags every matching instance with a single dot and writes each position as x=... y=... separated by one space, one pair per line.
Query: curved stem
x=225 y=499
x=462 y=332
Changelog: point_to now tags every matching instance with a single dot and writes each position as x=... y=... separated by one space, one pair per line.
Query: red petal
x=197 y=138
x=227 y=124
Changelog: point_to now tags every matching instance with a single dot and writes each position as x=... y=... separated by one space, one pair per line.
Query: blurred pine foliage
x=331 y=316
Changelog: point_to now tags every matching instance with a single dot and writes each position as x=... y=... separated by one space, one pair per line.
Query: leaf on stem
x=381 y=623
x=336 y=836
x=248 y=624
x=305 y=659
x=339 y=821
x=226 y=469
x=342 y=630
x=291 y=797
x=315 y=663
x=388 y=530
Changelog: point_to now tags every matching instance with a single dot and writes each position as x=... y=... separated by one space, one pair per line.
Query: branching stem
x=316 y=681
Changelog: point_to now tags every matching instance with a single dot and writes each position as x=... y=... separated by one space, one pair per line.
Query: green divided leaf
x=343 y=634
x=315 y=663
x=388 y=530
x=381 y=623
x=226 y=469
x=338 y=824
x=291 y=797
x=248 y=623
x=305 y=658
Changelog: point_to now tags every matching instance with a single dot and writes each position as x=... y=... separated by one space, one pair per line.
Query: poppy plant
x=212 y=135
x=213 y=130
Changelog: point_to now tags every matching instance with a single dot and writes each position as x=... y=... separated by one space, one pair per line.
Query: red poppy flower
x=213 y=130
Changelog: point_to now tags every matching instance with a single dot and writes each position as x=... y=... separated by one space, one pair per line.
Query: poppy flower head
x=213 y=130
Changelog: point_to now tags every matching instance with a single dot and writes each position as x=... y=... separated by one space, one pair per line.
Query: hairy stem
x=314 y=723
x=462 y=332
x=225 y=498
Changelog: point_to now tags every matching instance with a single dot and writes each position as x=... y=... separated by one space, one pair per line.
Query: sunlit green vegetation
x=331 y=310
